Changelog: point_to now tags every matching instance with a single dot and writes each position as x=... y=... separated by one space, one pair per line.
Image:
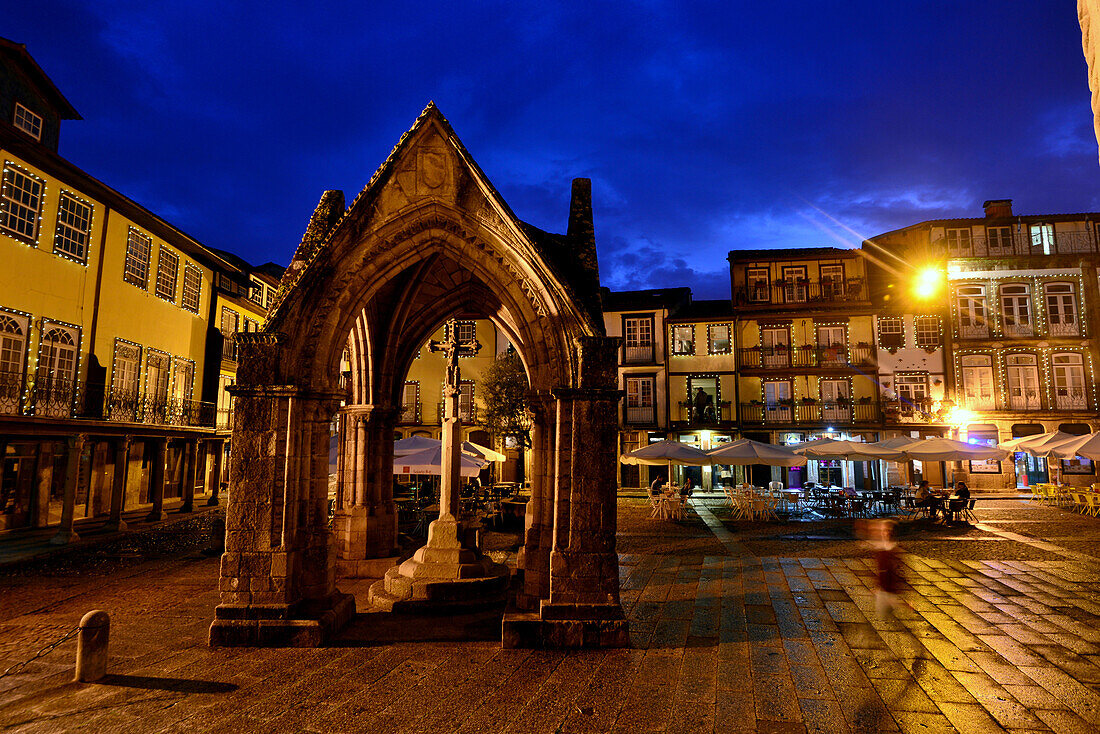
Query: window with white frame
x=183 y=379
x=168 y=267
x=999 y=239
x=1061 y=301
x=156 y=381
x=256 y=292
x=638 y=339
x=20 y=204
x=74 y=227
x=55 y=377
x=639 y=400
x=1042 y=238
x=1016 y=309
x=832 y=280
x=1022 y=371
x=958 y=240
x=911 y=387
x=13 y=360
x=27 y=121
x=230 y=321
x=977 y=381
x=466 y=399
x=972 y=312
x=192 y=287
x=465 y=331
x=718 y=338
x=891 y=332
x=683 y=340
x=127 y=368
x=927 y=331
x=1069 y=381
x=756 y=280
x=410 y=402
x=139 y=253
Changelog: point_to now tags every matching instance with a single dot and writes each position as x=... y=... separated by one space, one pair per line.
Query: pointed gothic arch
x=427 y=238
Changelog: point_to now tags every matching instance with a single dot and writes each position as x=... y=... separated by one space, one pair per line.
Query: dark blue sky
x=705 y=127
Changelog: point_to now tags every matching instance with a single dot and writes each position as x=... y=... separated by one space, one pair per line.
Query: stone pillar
x=214 y=480
x=118 y=484
x=156 y=478
x=189 y=475
x=583 y=609
x=65 y=533
x=538 y=522
x=365 y=520
x=44 y=474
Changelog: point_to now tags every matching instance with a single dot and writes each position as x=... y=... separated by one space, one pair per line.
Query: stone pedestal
x=365 y=542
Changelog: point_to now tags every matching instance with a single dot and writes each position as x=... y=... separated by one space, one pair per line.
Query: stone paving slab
x=723 y=640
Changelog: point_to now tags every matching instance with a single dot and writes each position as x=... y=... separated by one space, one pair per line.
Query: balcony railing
x=1019 y=243
x=644 y=415
x=224 y=419
x=709 y=416
x=466 y=413
x=908 y=411
x=974 y=331
x=55 y=397
x=811 y=413
x=1019 y=330
x=229 y=348
x=639 y=354
x=1029 y=400
x=410 y=413
x=802 y=291
x=1071 y=398
x=1058 y=328
x=833 y=356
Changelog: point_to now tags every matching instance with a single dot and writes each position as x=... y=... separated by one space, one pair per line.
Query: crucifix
x=450 y=470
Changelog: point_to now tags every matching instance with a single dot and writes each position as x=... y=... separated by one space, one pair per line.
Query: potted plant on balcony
x=809 y=401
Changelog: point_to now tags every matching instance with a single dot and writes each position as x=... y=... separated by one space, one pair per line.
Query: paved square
x=735 y=627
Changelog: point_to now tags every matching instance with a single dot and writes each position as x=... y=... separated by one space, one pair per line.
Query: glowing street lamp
x=928 y=283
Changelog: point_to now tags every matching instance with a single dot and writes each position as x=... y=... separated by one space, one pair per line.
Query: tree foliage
x=503 y=387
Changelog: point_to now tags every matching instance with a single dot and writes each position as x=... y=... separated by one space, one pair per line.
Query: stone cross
x=453 y=349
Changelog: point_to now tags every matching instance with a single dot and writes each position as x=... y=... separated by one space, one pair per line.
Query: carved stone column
x=214 y=480
x=189 y=475
x=583 y=609
x=538 y=521
x=156 y=478
x=118 y=484
x=65 y=533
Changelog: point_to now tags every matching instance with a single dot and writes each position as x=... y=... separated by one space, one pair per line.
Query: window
x=1016 y=310
x=1023 y=382
x=74 y=227
x=831 y=345
x=28 y=121
x=183 y=380
x=999 y=238
x=269 y=294
x=756 y=280
x=703 y=399
x=639 y=400
x=778 y=405
x=410 y=402
x=977 y=382
x=466 y=400
x=225 y=402
x=683 y=340
x=123 y=400
x=775 y=346
x=911 y=387
x=1069 y=381
x=638 y=340
x=168 y=267
x=55 y=381
x=891 y=332
x=794 y=284
x=927 y=330
x=139 y=251
x=1061 y=309
x=836 y=404
x=465 y=331
x=156 y=387
x=230 y=321
x=832 y=281
x=958 y=240
x=13 y=360
x=1042 y=238
x=972 y=309
x=20 y=204
x=192 y=287
x=718 y=337
x=256 y=292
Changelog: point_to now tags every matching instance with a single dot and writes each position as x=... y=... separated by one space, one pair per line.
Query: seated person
x=655 y=487
x=927 y=498
x=962 y=492
x=688 y=488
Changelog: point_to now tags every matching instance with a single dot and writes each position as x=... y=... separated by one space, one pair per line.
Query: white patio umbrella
x=948 y=449
x=484 y=452
x=848 y=451
x=745 y=451
x=667 y=452
x=412 y=444
x=1040 y=444
x=429 y=460
x=1087 y=447
x=897 y=442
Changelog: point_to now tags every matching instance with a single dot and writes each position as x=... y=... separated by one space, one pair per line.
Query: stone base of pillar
x=566 y=626
x=64 y=537
x=364 y=568
x=119 y=526
x=361 y=535
x=443 y=574
x=213 y=501
x=156 y=516
x=303 y=624
x=187 y=506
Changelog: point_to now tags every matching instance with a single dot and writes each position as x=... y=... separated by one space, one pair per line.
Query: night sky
x=705 y=127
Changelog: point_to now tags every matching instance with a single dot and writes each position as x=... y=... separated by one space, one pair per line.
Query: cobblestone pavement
x=735 y=627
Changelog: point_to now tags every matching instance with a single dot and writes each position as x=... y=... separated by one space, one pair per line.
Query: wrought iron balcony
x=811 y=413
x=801 y=291
x=1019 y=243
x=45 y=396
x=467 y=413
x=640 y=415
x=410 y=413
x=711 y=415
x=229 y=348
x=639 y=353
x=807 y=356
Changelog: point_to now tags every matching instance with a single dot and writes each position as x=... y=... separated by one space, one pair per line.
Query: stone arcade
x=427 y=239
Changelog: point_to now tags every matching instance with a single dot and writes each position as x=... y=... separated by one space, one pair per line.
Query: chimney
x=580 y=210
x=998 y=208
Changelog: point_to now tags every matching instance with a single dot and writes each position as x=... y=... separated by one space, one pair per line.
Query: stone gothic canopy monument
x=427 y=239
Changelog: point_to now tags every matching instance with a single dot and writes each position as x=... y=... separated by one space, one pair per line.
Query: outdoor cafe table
x=670 y=507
